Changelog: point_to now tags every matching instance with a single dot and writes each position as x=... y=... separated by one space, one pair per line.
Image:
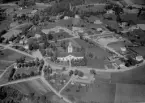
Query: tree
x=81 y=74
x=71 y=72
x=32 y=73
x=64 y=68
x=92 y=71
x=76 y=72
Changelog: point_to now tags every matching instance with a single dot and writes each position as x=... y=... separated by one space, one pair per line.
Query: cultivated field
x=34 y=86
x=97 y=92
x=10 y=55
x=4 y=64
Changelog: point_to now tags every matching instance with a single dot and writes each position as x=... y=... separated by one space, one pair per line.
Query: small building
x=37 y=36
x=26 y=47
x=123 y=50
x=97 y=22
x=110 y=12
x=66 y=18
x=139 y=58
x=141 y=26
x=70 y=55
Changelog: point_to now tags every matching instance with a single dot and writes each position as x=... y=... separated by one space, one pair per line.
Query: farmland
x=4 y=78
x=91 y=92
x=96 y=56
x=4 y=65
x=10 y=55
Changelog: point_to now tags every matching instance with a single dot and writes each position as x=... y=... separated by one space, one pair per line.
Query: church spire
x=70 y=49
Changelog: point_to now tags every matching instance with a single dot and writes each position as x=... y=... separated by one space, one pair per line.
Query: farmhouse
x=70 y=55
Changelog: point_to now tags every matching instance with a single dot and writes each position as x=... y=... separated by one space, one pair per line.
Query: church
x=70 y=54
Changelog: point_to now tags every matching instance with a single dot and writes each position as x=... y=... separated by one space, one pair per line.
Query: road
x=57 y=93
x=21 y=80
x=91 y=4
x=65 y=39
x=21 y=52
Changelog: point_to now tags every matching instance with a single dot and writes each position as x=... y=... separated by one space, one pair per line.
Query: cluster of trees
x=1 y=34
x=21 y=59
x=2 y=14
x=76 y=72
x=10 y=95
x=47 y=70
x=79 y=62
x=22 y=64
x=136 y=37
x=26 y=3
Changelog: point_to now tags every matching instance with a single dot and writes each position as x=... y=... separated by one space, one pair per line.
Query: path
x=58 y=94
x=72 y=77
x=19 y=81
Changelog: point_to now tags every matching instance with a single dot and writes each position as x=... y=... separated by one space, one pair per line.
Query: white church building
x=70 y=55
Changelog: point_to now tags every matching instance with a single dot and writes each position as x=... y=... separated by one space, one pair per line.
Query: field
x=60 y=35
x=129 y=93
x=63 y=23
x=139 y=50
x=99 y=55
x=4 y=65
x=26 y=70
x=117 y=45
x=98 y=92
x=10 y=55
x=58 y=83
x=35 y=86
x=4 y=78
x=95 y=1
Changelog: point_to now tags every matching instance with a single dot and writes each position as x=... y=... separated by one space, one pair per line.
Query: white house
x=70 y=55
x=139 y=58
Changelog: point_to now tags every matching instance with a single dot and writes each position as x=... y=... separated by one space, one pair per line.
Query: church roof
x=76 y=54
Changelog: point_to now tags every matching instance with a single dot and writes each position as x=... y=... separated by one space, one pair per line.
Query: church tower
x=70 y=48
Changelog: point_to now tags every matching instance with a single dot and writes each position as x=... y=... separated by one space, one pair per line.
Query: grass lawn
x=117 y=45
x=99 y=54
x=57 y=84
x=26 y=70
x=60 y=35
x=10 y=55
x=139 y=50
x=95 y=1
x=72 y=93
x=63 y=23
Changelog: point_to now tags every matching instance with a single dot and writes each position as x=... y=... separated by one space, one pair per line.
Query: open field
x=4 y=65
x=139 y=50
x=57 y=80
x=60 y=35
x=97 y=92
x=4 y=78
x=127 y=93
x=12 y=55
x=35 y=86
x=99 y=55
x=134 y=76
x=63 y=23
x=95 y=1
x=26 y=70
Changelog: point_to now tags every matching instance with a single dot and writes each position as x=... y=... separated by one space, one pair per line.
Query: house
x=37 y=36
x=70 y=55
x=141 y=26
x=139 y=58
